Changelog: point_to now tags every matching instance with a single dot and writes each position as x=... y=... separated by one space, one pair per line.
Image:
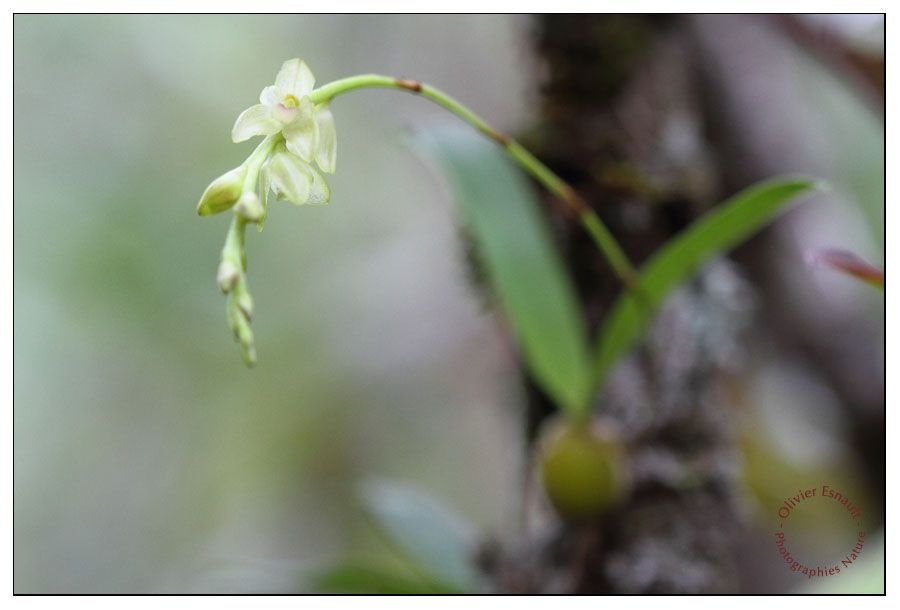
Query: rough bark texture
x=622 y=123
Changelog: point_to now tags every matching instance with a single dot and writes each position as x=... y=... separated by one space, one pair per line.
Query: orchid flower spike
x=299 y=133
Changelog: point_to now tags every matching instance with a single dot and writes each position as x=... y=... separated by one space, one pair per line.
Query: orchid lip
x=285 y=114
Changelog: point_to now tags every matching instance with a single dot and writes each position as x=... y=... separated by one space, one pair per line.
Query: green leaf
x=717 y=231
x=522 y=264
x=432 y=535
x=366 y=577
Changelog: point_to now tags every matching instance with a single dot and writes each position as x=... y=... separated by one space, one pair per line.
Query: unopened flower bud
x=248 y=353
x=250 y=207
x=235 y=317
x=227 y=275
x=245 y=302
x=223 y=193
x=240 y=326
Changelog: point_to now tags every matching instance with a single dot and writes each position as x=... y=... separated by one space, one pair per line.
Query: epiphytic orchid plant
x=539 y=300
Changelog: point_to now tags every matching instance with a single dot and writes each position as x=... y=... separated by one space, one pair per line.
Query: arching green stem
x=589 y=219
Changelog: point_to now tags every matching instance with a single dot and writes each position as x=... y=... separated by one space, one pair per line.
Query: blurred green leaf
x=524 y=268
x=717 y=231
x=767 y=473
x=361 y=577
x=437 y=539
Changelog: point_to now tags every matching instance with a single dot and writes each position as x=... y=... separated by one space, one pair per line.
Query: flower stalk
x=598 y=231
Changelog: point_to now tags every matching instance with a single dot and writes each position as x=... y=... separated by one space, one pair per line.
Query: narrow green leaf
x=433 y=536
x=368 y=577
x=719 y=230
x=522 y=264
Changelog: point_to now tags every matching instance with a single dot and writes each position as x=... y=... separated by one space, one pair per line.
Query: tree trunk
x=621 y=121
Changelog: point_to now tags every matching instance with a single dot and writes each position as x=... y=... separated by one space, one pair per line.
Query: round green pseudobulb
x=580 y=467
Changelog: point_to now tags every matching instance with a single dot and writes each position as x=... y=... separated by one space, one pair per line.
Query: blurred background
x=149 y=459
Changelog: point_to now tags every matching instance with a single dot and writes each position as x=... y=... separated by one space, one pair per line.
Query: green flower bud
x=228 y=275
x=250 y=207
x=248 y=353
x=223 y=193
x=240 y=326
x=581 y=468
x=243 y=299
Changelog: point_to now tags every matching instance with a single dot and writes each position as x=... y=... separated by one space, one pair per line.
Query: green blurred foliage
x=147 y=457
x=432 y=548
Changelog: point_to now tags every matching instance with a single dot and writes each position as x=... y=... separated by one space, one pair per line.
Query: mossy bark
x=621 y=122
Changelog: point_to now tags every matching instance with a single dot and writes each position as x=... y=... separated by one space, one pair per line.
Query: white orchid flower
x=287 y=107
x=293 y=180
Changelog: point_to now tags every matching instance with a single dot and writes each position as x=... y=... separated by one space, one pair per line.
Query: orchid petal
x=326 y=139
x=291 y=178
x=271 y=95
x=300 y=136
x=284 y=114
x=319 y=192
x=265 y=187
x=254 y=121
x=265 y=180
x=295 y=78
